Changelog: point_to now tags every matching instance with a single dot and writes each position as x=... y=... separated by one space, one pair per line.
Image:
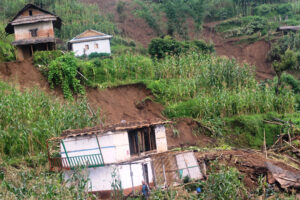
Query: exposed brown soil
x=251 y=164
x=189 y=134
x=131 y=26
x=254 y=54
x=24 y=75
x=128 y=102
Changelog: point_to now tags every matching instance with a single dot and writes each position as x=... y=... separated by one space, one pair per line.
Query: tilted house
x=90 y=41
x=120 y=148
x=34 y=30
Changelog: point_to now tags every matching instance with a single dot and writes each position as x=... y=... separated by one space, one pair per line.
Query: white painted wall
x=100 y=178
x=161 y=139
x=103 y=47
x=114 y=146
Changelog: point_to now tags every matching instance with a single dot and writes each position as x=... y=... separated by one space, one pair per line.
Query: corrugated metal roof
x=33 y=19
x=113 y=127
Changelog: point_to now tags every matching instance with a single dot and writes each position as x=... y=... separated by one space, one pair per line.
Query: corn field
x=194 y=85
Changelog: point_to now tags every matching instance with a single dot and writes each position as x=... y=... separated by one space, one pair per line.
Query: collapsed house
x=33 y=28
x=90 y=41
x=131 y=152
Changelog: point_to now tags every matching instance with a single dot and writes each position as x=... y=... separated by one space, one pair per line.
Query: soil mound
x=253 y=54
x=186 y=132
x=128 y=102
x=23 y=74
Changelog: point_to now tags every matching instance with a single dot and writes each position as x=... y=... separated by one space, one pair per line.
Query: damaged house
x=122 y=149
x=33 y=28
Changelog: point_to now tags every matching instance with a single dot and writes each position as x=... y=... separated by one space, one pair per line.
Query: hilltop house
x=120 y=148
x=90 y=41
x=34 y=30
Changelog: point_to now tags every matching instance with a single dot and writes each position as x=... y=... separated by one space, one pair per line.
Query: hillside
x=215 y=70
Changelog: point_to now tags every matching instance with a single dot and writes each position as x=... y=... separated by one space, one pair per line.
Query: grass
x=28 y=119
x=249 y=129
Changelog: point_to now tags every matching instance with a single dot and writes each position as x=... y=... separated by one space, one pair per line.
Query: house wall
x=101 y=178
x=45 y=29
x=103 y=47
x=161 y=138
x=25 y=13
x=114 y=146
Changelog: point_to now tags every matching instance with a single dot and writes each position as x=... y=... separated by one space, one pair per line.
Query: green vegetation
x=6 y=49
x=77 y=17
x=176 y=11
x=160 y=47
x=201 y=86
x=249 y=129
x=41 y=185
x=28 y=119
x=225 y=183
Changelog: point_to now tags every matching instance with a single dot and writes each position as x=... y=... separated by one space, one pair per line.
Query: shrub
x=45 y=57
x=63 y=72
x=160 y=47
x=224 y=184
x=98 y=55
x=203 y=46
x=284 y=9
x=263 y=10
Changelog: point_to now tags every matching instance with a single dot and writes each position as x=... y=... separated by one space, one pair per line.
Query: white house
x=121 y=149
x=89 y=42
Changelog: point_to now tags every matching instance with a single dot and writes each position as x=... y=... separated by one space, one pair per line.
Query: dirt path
x=254 y=54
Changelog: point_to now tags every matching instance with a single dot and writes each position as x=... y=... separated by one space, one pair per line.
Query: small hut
x=34 y=30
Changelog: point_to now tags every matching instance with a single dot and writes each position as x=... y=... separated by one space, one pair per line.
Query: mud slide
x=130 y=102
x=253 y=54
x=25 y=76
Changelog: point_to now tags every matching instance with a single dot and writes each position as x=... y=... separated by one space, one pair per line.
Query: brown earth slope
x=130 y=25
x=128 y=102
x=119 y=103
x=253 y=54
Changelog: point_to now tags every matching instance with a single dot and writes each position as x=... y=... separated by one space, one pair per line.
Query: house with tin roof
x=90 y=41
x=33 y=28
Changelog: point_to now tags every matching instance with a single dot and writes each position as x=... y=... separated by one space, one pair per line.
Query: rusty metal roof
x=33 y=19
x=112 y=127
x=36 y=40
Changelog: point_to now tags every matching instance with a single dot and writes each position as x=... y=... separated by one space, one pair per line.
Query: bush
x=45 y=57
x=203 y=46
x=63 y=72
x=160 y=47
x=284 y=9
x=263 y=10
x=224 y=184
x=98 y=55
x=243 y=26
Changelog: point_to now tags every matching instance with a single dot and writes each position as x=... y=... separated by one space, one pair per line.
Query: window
x=141 y=140
x=30 y=12
x=96 y=46
x=33 y=32
x=86 y=47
